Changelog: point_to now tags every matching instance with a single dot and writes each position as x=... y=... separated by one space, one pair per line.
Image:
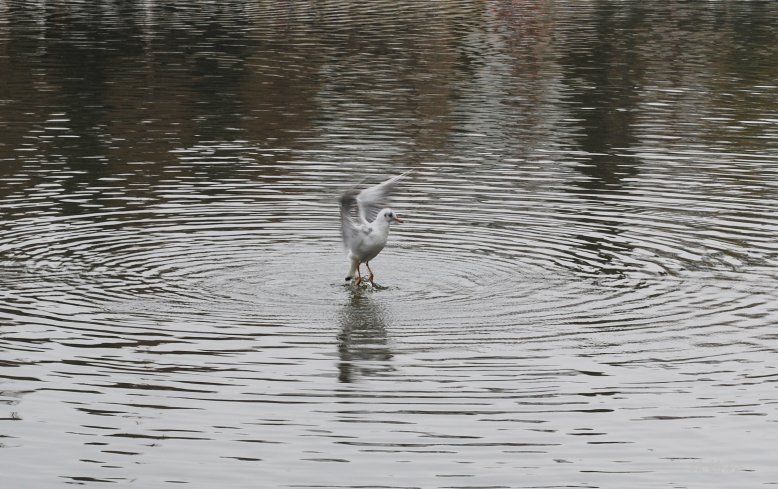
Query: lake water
x=583 y=293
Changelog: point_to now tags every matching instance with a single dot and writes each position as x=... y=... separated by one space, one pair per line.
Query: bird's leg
x=370 y=278
x=358 y=276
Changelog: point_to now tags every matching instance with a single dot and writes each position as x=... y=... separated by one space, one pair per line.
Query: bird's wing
x=350 y=230
x=371 y=200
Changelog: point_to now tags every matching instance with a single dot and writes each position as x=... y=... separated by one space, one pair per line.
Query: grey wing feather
x=371 y=200
x=348 y=228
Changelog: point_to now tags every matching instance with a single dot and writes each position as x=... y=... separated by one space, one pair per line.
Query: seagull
x=365 y=236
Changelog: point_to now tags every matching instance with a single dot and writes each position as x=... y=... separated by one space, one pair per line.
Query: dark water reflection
x=583 y=294
x=363 y=339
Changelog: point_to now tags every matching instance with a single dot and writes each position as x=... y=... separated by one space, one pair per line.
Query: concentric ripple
x=476 y=252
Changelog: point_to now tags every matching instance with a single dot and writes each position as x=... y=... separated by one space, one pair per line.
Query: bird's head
x=389 y=216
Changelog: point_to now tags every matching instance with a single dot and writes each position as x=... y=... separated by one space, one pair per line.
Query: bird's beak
x=398 y=220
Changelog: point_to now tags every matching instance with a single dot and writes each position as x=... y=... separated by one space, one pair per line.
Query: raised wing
x=371 y=200
x=349 y=229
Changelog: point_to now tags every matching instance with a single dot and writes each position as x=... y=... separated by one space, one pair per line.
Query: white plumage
x=365 y=219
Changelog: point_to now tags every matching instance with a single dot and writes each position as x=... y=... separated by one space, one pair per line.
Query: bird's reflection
x=362 y=342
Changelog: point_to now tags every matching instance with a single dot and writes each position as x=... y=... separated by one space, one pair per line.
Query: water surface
x=582 y=295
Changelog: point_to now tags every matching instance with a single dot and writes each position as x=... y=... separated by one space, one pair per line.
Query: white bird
x=365 y=236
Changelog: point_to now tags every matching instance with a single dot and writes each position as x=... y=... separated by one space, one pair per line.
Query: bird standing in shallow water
x=365 y=235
